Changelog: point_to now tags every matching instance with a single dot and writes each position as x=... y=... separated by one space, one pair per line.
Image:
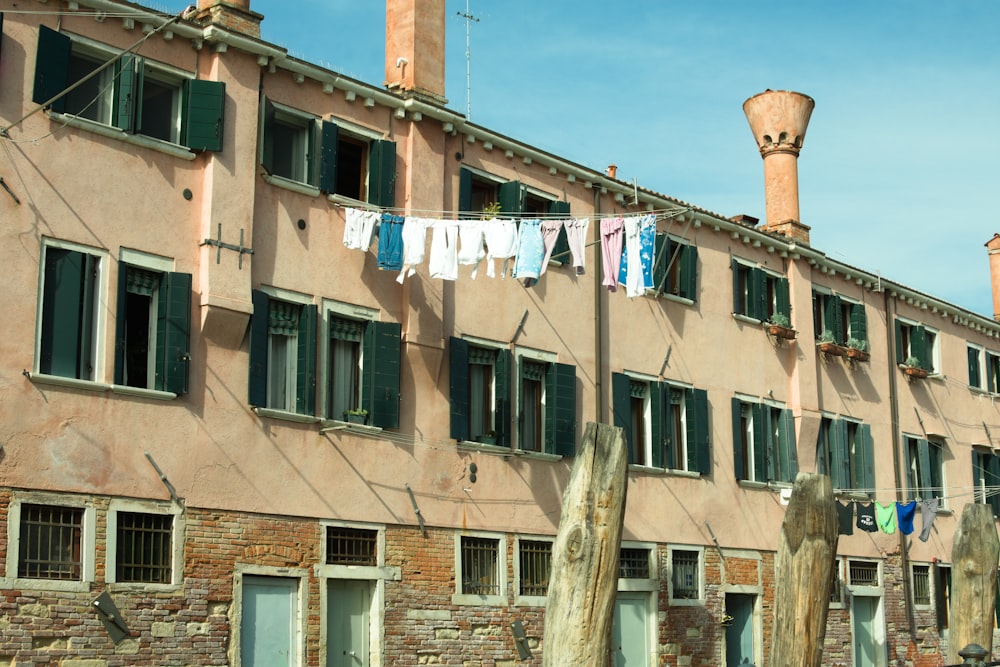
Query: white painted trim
x=176 y=543
x=528 y=600
x=500 y=600
x=146 y=260
x=700 y=600
x=298 y=573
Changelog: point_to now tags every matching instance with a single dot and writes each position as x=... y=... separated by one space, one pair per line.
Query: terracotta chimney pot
x=612 y=171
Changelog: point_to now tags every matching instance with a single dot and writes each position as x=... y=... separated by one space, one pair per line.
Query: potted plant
x=488 y=438
x=356 y=416
x=492 y=208
x=779 y=326
x=828 y=344
x=912 y=368
x=857 y=349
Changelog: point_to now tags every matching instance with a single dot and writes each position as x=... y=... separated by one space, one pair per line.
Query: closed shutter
x=267 y=114
x=831 y=317
x=782 y=300
x=511 y=199
x=773 y=452
x=738 y=298
x=859 y=322
x=560 y=409
x=866 y=479
x=739 y=462
x=503 y=384
x=758 y=291
x=128 y=89
x=699 y=451
x=204 y=114
x=924 y=465
x=258 y=349
x=973 y=356
x=174 y=311
x=760 y=458
x=121 y=317
x=325 y=175
x=68 y=314
x=787 y=447
x=458 y=357
x=621 y=414
x=840 y=475
x=381 y=351
x=661 y=432
x=993 y=482
x=465 y=191
x=689 y=272
x=382 y=173
x=51 y=67
x=305 y=369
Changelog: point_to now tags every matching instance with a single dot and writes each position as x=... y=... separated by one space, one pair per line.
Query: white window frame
x=365 y=135
x=308 y=124
x=176 y=543
x=288 y=296
x=934 y=348
x=981 y=364
x=496 y=346
x=88 y=540
x=459 y=598
x=930 y=586
x=534 y=356
x=348 y=311
x=529 y=600
x=647 y=418
x=842 y=580
x=686 y=602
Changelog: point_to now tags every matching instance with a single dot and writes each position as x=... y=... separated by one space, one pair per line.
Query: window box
x=356 y=416
x=778 y=331
x=832 y=349
x=915 y=372
x=856 y=354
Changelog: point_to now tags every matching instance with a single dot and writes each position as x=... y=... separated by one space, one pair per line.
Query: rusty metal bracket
x=219 y=244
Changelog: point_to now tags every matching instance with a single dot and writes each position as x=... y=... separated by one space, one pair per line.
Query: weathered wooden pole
x=804 y=573
x=580 y=608
x=973 y=580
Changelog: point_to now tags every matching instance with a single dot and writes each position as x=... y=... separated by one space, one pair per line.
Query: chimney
x=233 y=15
x=612 y=171
x=778 y=120
x=414 y=47
x=993 y=246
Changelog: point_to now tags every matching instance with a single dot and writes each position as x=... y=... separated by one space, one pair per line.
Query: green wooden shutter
x=382 y=173
x=68 y=314
x=699 y=452
x=511 y=197
x=738 y=306
x=758 y=291
x=859 y=322
x=305 y=370
x=739 y=463
x=661 y=257
x=840 y=474
x=204 y=114
x=560 y=409
x=51 y=67
x=789 y=453
x=121 y=317
x=258 y=349
x=458 y=357
x=759 y=442
x=325 y=174
x=560 y=251
x=503 y=382
x=782 y=300
x=465 y=190
x=924 y=465
x=380 y=353
x=973 y=357
x=990 y=373
x=867 y=476
x=128 y=92
x=621 y=413
x=900 y=352
x=831 y=316
x=661 y=432
x=174 y=343
x=918 y=340
x=689 y=272
x=773 y=452
x=993 y=481
x=267 y=114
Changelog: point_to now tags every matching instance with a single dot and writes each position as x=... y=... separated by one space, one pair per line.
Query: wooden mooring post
x=973 y=580
x=804 y=573
x=580 y=608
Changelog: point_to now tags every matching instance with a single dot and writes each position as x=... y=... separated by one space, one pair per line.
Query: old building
x=197 y=313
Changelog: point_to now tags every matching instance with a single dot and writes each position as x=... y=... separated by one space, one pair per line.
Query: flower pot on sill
x=858 y=355
x=915 y=372
x=356 y=419
x=831 y=349
x=779 y=331
x=486 y=439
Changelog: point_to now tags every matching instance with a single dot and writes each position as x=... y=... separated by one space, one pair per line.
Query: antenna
x=469 y=19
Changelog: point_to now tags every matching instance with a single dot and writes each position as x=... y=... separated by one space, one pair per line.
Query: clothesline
x=450 y=215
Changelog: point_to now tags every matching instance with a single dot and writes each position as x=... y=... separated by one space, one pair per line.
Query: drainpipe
x=598 y=315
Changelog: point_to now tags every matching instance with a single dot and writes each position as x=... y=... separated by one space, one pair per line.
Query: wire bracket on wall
x=716 y=540
x=163 y=478
x=989 y=438
x=6 y=187
x=666 y=360
x=520 y=327
x=416 y=510
x=219 y=245
x=920 y=421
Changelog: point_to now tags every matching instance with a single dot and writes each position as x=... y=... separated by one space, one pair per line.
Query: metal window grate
x=50 y=542
x=536 y=560
x=863 y=573
x=633 y=564
x=921 y=584
x=480 y=574
x=684 y=575
x=144 y=547
x=351 y=546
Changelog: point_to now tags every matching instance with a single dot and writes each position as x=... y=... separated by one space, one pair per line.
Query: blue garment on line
x=390 y=243
x=530 y=250
x=906 y=512
x=647 y=238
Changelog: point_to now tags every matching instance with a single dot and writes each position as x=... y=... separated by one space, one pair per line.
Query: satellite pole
x=469 y=18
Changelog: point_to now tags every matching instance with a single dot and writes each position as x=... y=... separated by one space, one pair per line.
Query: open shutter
x=560 y=251
x=621 y=414
x=382 y=173
x=511 y=196
x=204 y=114
x=174 y=310
x=689 y=272
x=859 y=322
x=503 y=383
x=661 y=257
x=51 y=67
x=782 y=300
x=918 y=345
x=758 y=290
x=734 y=266
x=839 y=470
x=258 y=349
x=381 y=350
x=993 y=481
x=786 y=446
x=866 y=478
x=739 y=462
x=973 y=357
x=326 y=170
x=699 y=457
x=560 y=409
x=67 y=314
x=924 y=465
x=900 y=351
x=760 y=467
x=831 y=317
x=464 y=190
x=458 y=357
x=773 y=453
x=128 y=84
x=305 y=370
x=267 y=136
x=121 y=317
x=661 y=435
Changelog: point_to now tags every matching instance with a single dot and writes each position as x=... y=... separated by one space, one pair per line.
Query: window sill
x=465 y=599
x=344 y=200
x=635 y=467
x=530 y=601
x=671 y=297
x=538 y=456
x=289 y=184
x=166 y=147
x=684 y=473
x=740 y=317
x=143 y=393
x=686 y=602
x=90 y=385
x=270 y=413
x=339 y=425
x=138 y=586
x=45 y=585
x=751 y=484
x=358 y=572
x=473 y=446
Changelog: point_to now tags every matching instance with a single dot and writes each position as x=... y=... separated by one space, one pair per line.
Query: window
x=924 y=467
x=759 y=294
x=916 y=345
x=351 y=546
x=534 y=566
x=837 y=585
x=633 y=563
x=976 y=357
x=763 y=442
x=984 y=369
x=844 y=452
x=134 y=94
x=675 y=268
x=144 y=548
x=666 y=426
x=282 y=354
x=327 y=155
x=986 y=475
x=685 y=574
x=863 y=572
x=477 y=191
x=68 y=321
x=480 y=570
x=50 y=542
x=153 y=329
x=942 y=594
x=845 y=319
x=921 y=576
x=362 y=365
x=992 y=372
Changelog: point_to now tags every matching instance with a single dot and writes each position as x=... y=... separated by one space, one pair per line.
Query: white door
x=867 y=631
x=630 y=635
x=348 y=609
x=267 y=628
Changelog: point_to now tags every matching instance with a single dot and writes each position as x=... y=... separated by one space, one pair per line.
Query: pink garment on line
x=550 y=234
x=576 y=235
x=612 y=231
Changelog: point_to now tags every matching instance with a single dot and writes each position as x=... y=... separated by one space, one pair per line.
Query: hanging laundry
x=530 y=250
x=928 y=510
x=845 y=514
x=885 y=516
x=443 y=262
x=414 y=245
x=576 y=236
x=501 y=243
x=866 y=517
x=470 y=244
x=550 y=234
x=390 y=243
x=640 y=234
x=906 y=512
x=612 y=231
x=359 y=228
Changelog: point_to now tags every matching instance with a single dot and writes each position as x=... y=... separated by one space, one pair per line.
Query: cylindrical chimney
x=993 y=246
x=778 y=120
x=612 y=171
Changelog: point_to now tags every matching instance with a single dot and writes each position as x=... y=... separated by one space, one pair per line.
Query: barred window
x=921 y=584
x=145 y=547
x=50 y=542
x=684 y=575
x=351 y=546
x=633 y=564
x=863 y=573
x=480 y=570
x=535 y=563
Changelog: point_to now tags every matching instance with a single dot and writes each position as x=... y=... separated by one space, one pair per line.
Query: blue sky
x=901 y=164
